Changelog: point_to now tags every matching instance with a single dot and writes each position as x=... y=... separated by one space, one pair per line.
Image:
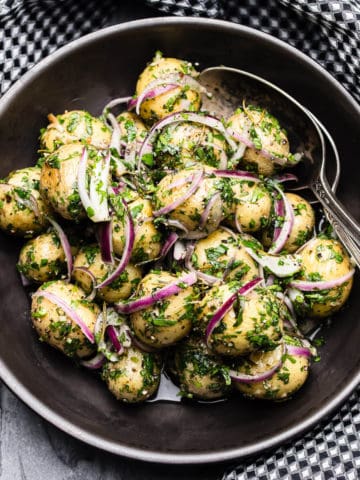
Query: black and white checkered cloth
x=326 y=30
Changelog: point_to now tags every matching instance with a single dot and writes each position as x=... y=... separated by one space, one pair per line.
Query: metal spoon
x=229 y=86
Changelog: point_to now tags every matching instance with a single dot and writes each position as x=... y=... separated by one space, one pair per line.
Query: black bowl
x=86 y=74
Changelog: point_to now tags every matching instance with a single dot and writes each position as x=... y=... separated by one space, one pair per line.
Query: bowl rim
x=93 y=439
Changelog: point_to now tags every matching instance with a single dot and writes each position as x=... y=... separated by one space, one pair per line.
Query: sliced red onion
x=286 y=177
x=113 y=337
x=238 y=223
x=82 y=183
x=94 y=363
x=116 y=133
x=225 y=307
x=270 y=281
x=171 y=240
x=69 y=311
x=142 y=346
x=25 y=282
x=106 y=242
x=87 y=272
x=230 y=232
x=280 y=265
x=30 y=202
x=180 y=117
x=281 y=235
x=179 y=182
x=312 y=239
x=197 y=178
x=308 y=286
x=298 y=351
x=116 y=101
x=208 y=279
x=175 y=224
x=65 y=245
x=145 y=302
x=194 y=235
x=260 y=377
x=179 y=250
x=129 y=233
x=206 y=213
x=118 y=189
x=98 y=189
x=292 y=315
x=237 y=174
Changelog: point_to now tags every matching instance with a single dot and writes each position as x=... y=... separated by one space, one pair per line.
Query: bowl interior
x=87 y=75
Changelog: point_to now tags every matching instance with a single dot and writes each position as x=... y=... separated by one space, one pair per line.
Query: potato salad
x=159 y=238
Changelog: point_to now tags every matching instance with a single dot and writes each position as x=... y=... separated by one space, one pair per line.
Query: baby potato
x=222 y=252
x=131 y=127
x=283 y=383
x=147 y=243
x=201 y=374
x=23 y=212
x=176 y=100
x=89 y=257
x=55 y=327
x=253 y=204
x=175 y=185
x=42 y=258
x=266 y=133
x=58 y=181
x=303 y=227
x=74 y=126
x=167 y=321
x=254 y=322
x=323 y=260
x=185 y=144
x=134 y=377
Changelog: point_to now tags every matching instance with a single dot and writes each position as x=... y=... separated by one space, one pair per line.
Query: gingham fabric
x=326 y=30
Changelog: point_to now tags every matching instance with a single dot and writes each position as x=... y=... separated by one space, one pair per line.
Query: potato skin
x=42 y=259
x=201 y=373
x=177 y=99
x=55 y=327
x=283 y=383
x=58 y=182
x=303 y=227
x=166 y=322
x=257 y=324
x=264 y=130
x=75 y=126
x=324 y=259
x=134 y=377
x=15 y=217
x=189 y=212
x=89 y=257
x=147 y=244
x=222 y=252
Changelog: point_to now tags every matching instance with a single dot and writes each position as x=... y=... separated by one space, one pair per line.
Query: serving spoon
x=229 y=86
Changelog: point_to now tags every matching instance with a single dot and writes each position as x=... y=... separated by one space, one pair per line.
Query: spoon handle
x=345 y=226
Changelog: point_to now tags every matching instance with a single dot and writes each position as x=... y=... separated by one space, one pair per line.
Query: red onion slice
x=69 y=311
x=141 y=346
x=286 y=177
x=98 y=190
x=171 y=240
x=115 y=141
x=197 y=178
x=308 y=286
x=65 y=245
x=106 y=242
x=208 y=279
x=179 y=251
x=244 y=378
x=237 y=174
x=145 y=302
x=113 y=337
x=225 y=307
x=281 y=235
x=129 y=233
x=205 y=214
x=87 y=272
x=180 y=182
x=94 y=363
x=116 y=101
x=298 y=351
x=280 y=265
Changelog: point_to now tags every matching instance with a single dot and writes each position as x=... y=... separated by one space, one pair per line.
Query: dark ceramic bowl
x=86 y=74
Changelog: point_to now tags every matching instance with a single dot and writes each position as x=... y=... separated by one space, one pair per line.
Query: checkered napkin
x=326 y=30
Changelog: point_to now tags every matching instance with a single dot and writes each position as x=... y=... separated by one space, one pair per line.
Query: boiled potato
x=134 y=377
x=58 y=182
x=23 y=211
x=201 y=374
x=89 y=257
x=55 y=327
x=167 y=321
x=254 y=322
x=175 y=185
x=74 y=126
x=323 y=260
x=42 y=258
x=185 y=144
x=176 y=100
x=283 y=383
x=147 y=243
x=222 y=252
x=266 y=133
